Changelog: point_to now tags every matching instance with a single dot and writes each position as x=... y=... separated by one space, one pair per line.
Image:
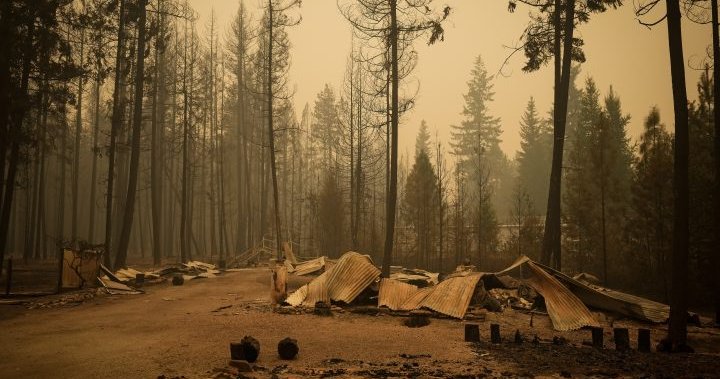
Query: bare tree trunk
x=124 y=240
x=271 y=133
x=157 y=159
x=551 y=249
x=677 y=328
x=716 y=112
x=392 y=193
x=93 y=175
x=114 y=130
x=184 y=228
x=78 y=133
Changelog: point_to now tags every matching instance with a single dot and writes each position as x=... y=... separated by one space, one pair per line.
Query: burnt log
x=248 y=349
x=288 y=348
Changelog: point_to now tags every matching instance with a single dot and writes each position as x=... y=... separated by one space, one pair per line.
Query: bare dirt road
x=185 y=331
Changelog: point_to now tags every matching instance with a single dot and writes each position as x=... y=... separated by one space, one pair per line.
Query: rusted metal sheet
x=566 y=310
x=415 y=300
x=309 y=267
x=317 y=291
x=417 y=277
x=614 y=301
x=394 y=293
x=452 y=296
x=297 y=297
x=350 y=276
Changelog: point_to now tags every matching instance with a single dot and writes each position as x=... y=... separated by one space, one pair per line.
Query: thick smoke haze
x=620 y=52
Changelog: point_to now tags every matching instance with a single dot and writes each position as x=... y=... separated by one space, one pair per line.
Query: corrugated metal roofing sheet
x=351 y=275
x=297 y=297
x=566 y=311
x=415 y=300
x=394 y=293
x=309 y=267
x=614 y=301
x=452 y=296
x=317 y=291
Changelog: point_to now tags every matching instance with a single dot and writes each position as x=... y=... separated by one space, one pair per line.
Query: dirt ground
x=184 y=332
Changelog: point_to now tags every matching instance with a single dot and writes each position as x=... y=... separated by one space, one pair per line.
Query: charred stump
x=247 y=349
x=288 y=348
x=178 y=280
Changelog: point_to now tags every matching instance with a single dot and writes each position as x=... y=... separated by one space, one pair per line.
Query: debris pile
x=466 y=292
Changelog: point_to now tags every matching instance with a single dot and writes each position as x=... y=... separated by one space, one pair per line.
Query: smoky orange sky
x=620 y=52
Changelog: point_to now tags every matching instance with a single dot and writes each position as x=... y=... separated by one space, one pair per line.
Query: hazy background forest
x=196 y=175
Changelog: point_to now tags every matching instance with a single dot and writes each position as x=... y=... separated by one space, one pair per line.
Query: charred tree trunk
x=392 y=193
x=551 y=248
x=677 y=328
x=114 y=130
x=716 y=112
x=124 y=241
x=271 y=133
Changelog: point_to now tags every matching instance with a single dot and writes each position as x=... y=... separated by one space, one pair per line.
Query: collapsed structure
x=568 y=301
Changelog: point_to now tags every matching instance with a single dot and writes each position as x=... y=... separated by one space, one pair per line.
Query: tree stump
x=597 y=337
x=472 y=333
x=644 y=340
x=495 y=333
x=288 y=348
x=178 y=280
x=247 y=349
x=622 y=339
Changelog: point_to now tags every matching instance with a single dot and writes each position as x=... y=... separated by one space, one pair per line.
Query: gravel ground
x=184 y=332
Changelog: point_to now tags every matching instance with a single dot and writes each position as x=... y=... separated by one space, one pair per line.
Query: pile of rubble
x=129 y=280
x=355 y=280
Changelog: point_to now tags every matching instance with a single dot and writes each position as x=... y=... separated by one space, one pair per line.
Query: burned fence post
x=622 y=339
x=644 y=340
x=495 y=333
x=247 y=349
x=597 y=337
x=518 y=337
x=288 y=348
x=8 y=277
x=472 y=333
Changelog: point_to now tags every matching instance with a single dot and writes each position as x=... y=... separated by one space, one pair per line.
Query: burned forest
x=359 y=188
